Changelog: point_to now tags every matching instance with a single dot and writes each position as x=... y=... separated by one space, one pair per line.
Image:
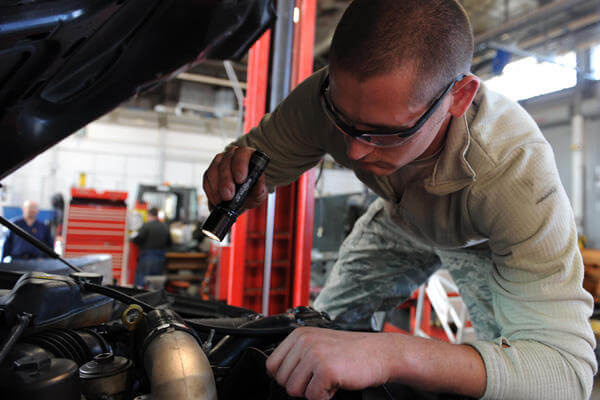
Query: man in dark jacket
x=153 y=238
x=19 y=249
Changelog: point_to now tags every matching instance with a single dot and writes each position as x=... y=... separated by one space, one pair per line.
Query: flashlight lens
x=211 y=235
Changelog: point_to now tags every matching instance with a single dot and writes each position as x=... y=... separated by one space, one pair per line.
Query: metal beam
x=280 y=88
x=528 y=19
x=211 y=80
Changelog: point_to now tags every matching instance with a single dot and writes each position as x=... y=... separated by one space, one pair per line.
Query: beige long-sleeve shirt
x=495 y=183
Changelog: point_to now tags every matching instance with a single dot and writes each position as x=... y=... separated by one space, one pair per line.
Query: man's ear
x=463 y=93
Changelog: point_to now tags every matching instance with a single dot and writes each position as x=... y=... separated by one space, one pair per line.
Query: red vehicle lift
x=240 y=278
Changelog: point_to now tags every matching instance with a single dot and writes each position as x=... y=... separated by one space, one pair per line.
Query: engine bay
x=69 y=337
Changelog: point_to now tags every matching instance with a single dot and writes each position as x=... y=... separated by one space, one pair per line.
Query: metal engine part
x=106 y=376
x=174 y=361
x=43 y=378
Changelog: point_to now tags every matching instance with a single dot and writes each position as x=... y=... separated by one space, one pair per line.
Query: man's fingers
x=208 y=190
x=287 y=367
x=259 y=193
x=239 y=163
x=226 y=184
x=298 y=380
x=319 y=387
x=211 y=180
x=228 y=169
x=276 y=358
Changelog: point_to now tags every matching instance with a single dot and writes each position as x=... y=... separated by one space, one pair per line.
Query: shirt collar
x=452 y=171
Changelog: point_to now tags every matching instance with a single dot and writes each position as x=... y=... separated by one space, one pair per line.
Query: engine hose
x=277 y=331
x=14 y=335
x=174 y=361
x=115 y=294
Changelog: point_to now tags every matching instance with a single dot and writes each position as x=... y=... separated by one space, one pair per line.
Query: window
x=527 y=77
x=595 y=62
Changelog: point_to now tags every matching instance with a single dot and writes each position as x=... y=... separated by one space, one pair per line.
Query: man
x=19 y=249
x=466 y=180
x=153 y=238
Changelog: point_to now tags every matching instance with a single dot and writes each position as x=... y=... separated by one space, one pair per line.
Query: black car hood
x=64 y=63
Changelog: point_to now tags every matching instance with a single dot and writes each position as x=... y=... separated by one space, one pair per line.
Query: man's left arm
x=546 y=346
x=545 y=350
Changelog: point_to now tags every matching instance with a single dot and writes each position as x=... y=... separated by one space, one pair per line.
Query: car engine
x=69 y=337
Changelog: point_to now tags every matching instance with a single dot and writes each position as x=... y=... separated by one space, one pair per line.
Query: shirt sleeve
x=292 y=135
x=7 y=248
x=142 y=235
x=546 y=346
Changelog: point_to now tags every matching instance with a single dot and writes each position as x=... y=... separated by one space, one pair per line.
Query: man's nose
x=356 y=150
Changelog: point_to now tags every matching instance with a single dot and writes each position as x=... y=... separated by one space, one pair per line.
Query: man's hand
x=315 y=362
x=228 y=169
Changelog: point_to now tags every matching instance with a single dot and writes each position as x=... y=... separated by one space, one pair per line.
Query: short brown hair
x=432 y=38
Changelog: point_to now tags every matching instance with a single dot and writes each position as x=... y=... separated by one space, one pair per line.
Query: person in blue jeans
x=153 y=239
x=19 y=249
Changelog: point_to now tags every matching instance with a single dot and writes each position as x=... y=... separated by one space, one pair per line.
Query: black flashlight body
x=220 y=220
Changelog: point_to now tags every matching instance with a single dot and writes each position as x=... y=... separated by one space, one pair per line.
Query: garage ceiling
x=539 y=27
x=542 y=28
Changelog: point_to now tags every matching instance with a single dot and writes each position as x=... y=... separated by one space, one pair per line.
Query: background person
x=153 y=239
x=19 y=249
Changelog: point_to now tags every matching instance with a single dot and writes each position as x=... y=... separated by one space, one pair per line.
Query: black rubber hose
x=115 y=294
x=277 y=331
x=15 y=334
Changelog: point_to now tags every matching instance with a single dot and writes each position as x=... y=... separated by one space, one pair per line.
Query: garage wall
x=118 y=157
x=114 y=157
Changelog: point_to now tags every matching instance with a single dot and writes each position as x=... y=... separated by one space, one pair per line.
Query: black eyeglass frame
x=400 y=132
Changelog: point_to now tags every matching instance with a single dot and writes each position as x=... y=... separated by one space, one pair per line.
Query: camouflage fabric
x=380 y=265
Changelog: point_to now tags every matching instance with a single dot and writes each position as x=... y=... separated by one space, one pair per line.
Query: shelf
x=185 y=255
x=185 y=277
x=185 y=267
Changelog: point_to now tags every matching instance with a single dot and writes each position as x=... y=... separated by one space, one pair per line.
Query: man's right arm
x=292 y=136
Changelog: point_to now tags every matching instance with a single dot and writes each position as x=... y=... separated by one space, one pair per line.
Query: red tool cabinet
x=96 y=224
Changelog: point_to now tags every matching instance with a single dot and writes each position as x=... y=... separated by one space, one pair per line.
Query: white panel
x=179 y=173
x=338 y=181
x=143 y=167
x=110 y=163
x=122 y=133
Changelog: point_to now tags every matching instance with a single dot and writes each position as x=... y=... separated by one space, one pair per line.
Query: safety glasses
x=379 y=137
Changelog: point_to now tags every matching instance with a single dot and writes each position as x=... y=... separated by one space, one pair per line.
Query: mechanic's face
x=384 y=102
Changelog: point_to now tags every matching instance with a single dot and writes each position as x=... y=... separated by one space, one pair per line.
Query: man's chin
x=378 y=168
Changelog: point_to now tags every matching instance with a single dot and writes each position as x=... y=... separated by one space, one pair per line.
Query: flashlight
x=223 y=216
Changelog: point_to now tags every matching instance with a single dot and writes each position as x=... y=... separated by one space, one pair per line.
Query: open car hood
x=64 y=63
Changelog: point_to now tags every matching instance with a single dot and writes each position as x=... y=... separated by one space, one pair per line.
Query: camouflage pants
x=380 y=265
